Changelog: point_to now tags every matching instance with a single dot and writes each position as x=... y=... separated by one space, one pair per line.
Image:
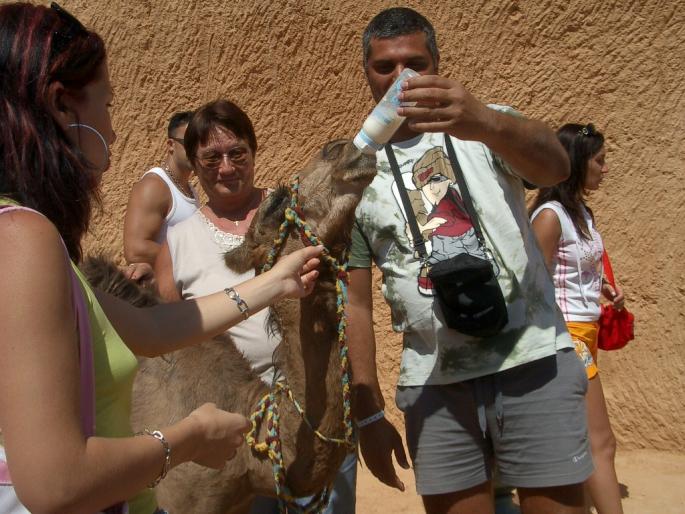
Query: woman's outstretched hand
x=297 y=271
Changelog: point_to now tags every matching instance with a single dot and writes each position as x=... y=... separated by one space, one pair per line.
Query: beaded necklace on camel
x=268 y=405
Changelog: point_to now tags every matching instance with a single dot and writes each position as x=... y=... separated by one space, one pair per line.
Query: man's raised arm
x=443 y=105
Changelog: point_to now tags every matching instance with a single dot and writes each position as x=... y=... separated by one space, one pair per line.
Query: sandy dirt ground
x=651 y=483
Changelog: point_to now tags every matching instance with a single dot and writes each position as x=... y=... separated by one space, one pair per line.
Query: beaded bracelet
x=242 y=305
x=167 y=454
x=371 y=419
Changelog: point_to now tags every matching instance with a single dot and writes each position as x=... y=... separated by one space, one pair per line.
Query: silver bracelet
x=361 y=423
x=242 y=306
x=167 y=454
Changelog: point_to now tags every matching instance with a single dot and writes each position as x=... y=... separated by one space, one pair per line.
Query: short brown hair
x=219 y=114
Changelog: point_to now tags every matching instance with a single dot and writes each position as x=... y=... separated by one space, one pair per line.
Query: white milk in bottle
x=383 y=121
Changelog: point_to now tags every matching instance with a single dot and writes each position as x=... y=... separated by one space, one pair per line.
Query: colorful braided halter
x=269 y=404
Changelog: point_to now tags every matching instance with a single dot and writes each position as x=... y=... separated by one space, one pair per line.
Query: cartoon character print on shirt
x=440 y=213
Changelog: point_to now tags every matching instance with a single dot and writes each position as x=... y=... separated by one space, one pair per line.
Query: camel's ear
x=271 y=211
x=269 y=216
x=103 y=274
x=333 y=149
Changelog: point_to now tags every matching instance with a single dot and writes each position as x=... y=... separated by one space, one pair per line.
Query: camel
x=168 y=388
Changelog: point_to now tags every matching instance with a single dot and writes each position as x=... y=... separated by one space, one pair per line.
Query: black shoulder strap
x=464 y=190
x=419 y=242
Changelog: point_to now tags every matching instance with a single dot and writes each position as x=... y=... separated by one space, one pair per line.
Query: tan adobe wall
x=295 y=67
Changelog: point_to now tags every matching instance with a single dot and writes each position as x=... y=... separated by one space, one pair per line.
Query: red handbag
x=616 y=327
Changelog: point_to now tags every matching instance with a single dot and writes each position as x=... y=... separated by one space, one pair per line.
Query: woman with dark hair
x=221 y=145
x=67 y=351
x=572 y=248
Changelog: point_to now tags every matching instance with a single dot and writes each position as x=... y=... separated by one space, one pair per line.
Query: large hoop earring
x=102 y=139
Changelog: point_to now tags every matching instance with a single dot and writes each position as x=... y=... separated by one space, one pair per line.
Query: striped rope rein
x=268 y=407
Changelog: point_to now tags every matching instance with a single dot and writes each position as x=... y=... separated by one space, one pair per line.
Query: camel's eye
x=353 y=158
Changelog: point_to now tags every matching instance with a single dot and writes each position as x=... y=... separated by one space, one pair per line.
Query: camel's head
x=331 y=186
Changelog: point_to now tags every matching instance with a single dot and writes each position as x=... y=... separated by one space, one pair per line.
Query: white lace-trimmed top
x=225 y=240
x=197 y=256
x=577 y=271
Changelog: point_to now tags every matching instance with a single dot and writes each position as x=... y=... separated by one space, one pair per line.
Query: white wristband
x=361 y=423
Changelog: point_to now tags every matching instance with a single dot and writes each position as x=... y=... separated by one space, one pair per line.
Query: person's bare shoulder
x=150 y=195
x=547 y=218
x=22 y=229
x=151 y=192
x=547 y=225
x=31 y=244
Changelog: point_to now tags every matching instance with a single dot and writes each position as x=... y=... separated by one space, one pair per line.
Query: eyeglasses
x=72 y=29
x=237 y=156
x=587 y=130
x=179 y=140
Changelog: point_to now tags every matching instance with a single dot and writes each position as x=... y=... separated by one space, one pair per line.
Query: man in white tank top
x=160 y=199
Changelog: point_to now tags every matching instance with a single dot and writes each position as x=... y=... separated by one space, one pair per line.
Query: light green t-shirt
x=115 y=369
x=434 y=353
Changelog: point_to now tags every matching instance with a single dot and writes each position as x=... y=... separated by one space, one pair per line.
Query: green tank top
x=115 y=369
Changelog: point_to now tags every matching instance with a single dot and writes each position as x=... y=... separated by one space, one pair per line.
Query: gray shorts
x=529 y=420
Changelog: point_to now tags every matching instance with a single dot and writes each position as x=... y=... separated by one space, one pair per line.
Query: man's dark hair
x=217 y=115
x=399 y=21
x=178 y=119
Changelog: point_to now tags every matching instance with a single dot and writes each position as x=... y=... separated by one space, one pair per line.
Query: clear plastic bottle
x=383 y=121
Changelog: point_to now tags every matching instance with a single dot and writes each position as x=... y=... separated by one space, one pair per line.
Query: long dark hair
x=39 y=167
x=581 y=142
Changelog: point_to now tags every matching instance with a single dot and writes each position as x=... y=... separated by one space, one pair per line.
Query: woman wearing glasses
x=572 y=247
x=67 y=351
x=221 y=145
